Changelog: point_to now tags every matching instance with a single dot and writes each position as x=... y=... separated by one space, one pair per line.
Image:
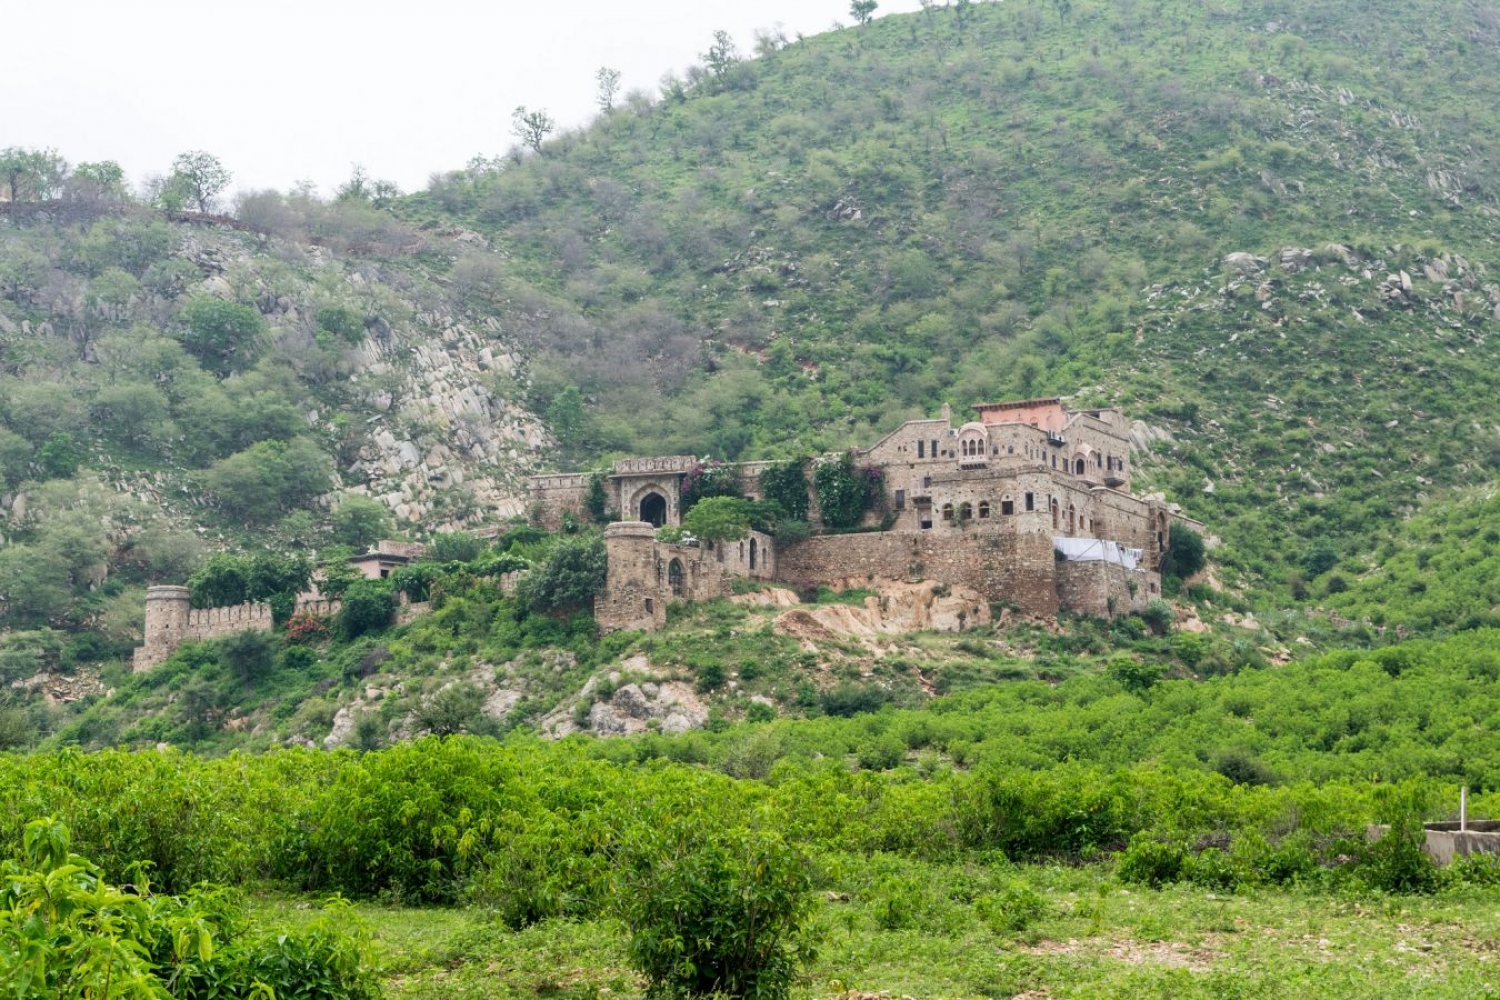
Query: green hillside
x=1267 y=231
x=809 y=247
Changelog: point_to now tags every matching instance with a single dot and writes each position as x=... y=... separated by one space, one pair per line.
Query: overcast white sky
x=284 y=91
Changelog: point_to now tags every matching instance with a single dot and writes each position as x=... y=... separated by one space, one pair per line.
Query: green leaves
x=713 y=910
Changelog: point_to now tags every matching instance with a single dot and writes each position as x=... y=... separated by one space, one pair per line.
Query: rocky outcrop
x=894 y=608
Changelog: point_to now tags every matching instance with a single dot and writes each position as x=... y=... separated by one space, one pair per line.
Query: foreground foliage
x=66 y=932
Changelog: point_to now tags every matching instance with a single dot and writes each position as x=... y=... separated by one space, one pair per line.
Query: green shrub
x=1149 y=860
x=368 y=607
x=1014 y=910
x=714 y=911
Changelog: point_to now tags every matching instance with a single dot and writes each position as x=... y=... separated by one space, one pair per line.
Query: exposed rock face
x=439 y=427
x=896 y=608
x=635 y=706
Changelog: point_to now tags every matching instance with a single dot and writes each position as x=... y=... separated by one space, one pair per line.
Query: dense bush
x=66 y=933
x=714 y=911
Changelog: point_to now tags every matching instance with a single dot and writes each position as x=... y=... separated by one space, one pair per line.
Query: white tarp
x=1097 y=550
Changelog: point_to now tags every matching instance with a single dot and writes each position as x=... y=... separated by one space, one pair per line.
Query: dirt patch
x=893 y=609
x=1168 y=954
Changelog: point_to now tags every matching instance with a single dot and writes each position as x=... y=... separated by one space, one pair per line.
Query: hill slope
x=1268 y=230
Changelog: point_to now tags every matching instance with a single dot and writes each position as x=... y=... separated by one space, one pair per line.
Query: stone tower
x=167 y=610
x=636 y=595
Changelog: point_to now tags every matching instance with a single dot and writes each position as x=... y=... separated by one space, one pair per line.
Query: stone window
x=1080 y=467
x=754 y=553
x=926 y=524
x=921 y=449
x=674 y=577
x=1056 y=516
x=650 y=606
x=1007 y=507
x=926 y=482
x=1031 y=501
x=934 y=448
x=965 y=511
x=984 y=510
x=900 y=499
x=947 y=512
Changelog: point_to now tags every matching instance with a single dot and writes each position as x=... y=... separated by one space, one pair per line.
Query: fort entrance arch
x=654 y=509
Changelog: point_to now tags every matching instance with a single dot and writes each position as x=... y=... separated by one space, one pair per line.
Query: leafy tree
x=227 y=579
x=248 y=656
x=97 y=182
x=573 y=573
x=359 y=522
x=721 y=55
x=455 y=546
x=15 y=458
x=863 y=10
x=32 y=175
x=531 y=127
x=719 y=519
x=709 y=479
x=343 y=322
x=609 y=87
x=1186 y=553
x=1134 y=674
x=337 y=577
x=60 y=455
x=714 y=911
x=568 y=418
x=222 y=335
x=268 y=479
x=368 y=607
x=596 y=500
x=200 y=178
x=456 y=708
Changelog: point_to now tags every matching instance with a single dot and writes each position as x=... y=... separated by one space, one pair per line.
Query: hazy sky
x=286 y=91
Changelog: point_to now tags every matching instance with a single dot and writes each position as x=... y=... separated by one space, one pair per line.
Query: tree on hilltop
x=531 y=127
x=863 y=10
x=199 y=178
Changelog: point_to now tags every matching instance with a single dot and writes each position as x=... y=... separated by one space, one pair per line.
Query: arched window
x=947 y=512
x=1072 y=519
x=674 y=577
x=965 y=511
x=754 y=547
x=1080 y=467
x=1054 y=514
x=984 y=510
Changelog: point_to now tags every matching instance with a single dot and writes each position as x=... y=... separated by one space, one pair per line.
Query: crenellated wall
x=171 y=620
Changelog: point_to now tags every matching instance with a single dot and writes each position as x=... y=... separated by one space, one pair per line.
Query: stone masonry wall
x=1103 y=589
x=1013 y=568
x=552 y=495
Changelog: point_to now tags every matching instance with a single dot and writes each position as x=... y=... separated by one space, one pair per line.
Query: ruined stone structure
x=171 y=619
x=1029 y=505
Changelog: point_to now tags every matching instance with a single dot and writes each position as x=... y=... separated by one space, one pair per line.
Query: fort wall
x=1017 y=568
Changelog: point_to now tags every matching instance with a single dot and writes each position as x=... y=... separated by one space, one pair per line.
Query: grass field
x=1093 y=937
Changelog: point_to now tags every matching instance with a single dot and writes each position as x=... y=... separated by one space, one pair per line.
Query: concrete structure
x=1030 y=505
x=386 y=557
x=1447 y=841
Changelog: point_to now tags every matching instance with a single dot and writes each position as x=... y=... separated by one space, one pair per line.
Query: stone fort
x=1029 y=504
